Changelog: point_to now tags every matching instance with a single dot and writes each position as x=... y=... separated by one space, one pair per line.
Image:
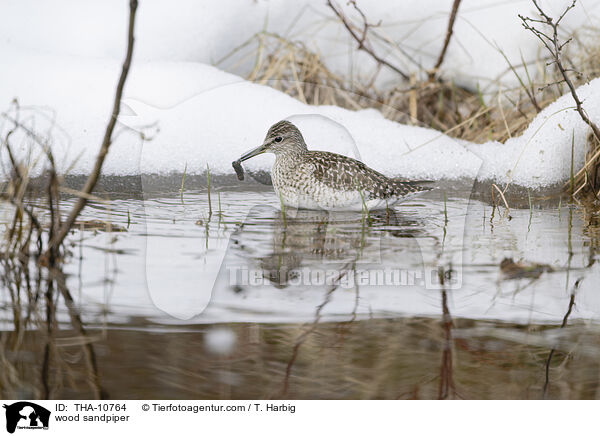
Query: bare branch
x=106 y=142
x=449 y=32
x=361 y=38
x=554 y=46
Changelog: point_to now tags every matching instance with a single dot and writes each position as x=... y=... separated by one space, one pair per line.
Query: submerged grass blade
x=220 y=210
x=445 y=210
x=208 y=184
x=282 y=210
x=530 y=211
x=572 y=179
x=182 y=182
x=365 y=209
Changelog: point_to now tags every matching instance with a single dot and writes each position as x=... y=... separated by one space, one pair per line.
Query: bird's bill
x=254 y=152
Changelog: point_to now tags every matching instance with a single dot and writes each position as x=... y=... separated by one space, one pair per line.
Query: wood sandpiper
x=308 y=179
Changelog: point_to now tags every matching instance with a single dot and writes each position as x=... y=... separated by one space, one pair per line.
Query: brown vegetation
x=423 y=97
x=35 y=237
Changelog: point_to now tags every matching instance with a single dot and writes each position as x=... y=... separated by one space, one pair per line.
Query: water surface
x=240 y=300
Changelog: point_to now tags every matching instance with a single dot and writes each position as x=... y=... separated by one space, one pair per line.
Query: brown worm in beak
x=239 y=170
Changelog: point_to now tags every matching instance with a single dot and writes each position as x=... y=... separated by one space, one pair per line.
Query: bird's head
x=282 y=138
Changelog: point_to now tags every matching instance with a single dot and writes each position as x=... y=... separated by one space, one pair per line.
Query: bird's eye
x=278 y=139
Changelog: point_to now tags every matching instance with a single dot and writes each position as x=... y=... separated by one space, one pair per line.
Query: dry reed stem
x=90 y=183
x=501 y=195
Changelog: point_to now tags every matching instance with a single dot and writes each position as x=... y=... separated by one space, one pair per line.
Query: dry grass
x=586 y=60
x=290 y=67
x=35 y=238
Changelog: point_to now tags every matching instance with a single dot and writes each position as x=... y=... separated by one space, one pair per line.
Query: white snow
x=205 y=32
x=541 y=156
x=205 y=116
x=62 y=63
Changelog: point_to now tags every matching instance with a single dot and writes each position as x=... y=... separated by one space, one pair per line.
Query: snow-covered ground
x=64 y=58
x=206 y=32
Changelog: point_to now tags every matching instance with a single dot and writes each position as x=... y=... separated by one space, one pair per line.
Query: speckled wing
x=347 y=174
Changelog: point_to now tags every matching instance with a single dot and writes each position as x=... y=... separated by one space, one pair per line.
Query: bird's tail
x=417 y=185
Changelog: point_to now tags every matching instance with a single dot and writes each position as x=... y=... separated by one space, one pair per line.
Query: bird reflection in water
x=283 y=246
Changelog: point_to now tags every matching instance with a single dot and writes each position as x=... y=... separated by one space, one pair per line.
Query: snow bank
x=205 y=32
x=541 y=156
x=205 y=116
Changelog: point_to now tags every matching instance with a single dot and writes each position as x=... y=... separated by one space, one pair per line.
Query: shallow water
x=252 y=302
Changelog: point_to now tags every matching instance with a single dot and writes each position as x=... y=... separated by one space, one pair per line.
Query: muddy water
x=240 y=300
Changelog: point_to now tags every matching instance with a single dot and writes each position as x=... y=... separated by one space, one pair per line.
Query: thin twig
x=361 y=38
x=554 y=47
x=449 y=32
x=106 y=142
x=562 y=326
x=87 y=347
x=502 y=195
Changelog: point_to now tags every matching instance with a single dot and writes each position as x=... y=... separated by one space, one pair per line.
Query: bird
x=310 y=179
